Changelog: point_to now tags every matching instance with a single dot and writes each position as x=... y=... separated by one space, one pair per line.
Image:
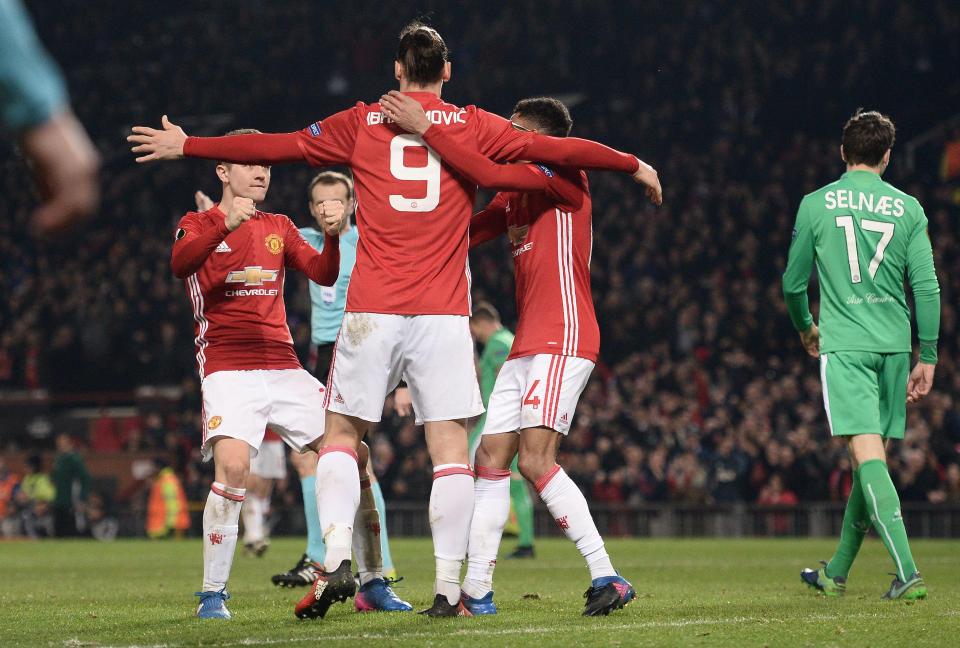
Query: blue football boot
x=479 y=606
x=213 y=605
x=378 y=596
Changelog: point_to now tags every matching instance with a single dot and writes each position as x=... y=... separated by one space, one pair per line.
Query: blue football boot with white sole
x=213 y=605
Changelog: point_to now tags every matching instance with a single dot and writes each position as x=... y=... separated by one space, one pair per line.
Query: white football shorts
x=241 y=404
x=537 y=391
x=433 y=353
x=270 y=462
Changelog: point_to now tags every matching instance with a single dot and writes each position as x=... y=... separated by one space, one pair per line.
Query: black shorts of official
x=324 y=358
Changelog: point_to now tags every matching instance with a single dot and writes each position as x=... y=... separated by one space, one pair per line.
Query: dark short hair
x=550 y=115
x=330 y=178
x=485 y=311
x=239 y=131
x=422 y=52
x=867 y=136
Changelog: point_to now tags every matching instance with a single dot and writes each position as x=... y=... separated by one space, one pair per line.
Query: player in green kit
x=865 y=236
x=487 y=329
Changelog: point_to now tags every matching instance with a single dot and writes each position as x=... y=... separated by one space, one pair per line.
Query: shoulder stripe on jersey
x=196 y=299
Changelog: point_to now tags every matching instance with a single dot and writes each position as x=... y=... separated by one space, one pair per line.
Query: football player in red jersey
x=408 y=303
x=232 y=258
x=554 y=351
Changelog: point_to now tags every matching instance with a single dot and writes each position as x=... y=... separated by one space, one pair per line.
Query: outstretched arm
x=331 y=143
x=170 y=142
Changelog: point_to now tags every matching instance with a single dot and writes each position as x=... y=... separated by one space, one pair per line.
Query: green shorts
x=865 y=392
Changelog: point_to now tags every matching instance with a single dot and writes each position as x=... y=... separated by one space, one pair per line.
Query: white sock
x=220 y=528
x=366 y=537
x=451 y=507
x=338 y=495
x=264 y=516
x=569 y=509
x=490 y=512
x=252 y=515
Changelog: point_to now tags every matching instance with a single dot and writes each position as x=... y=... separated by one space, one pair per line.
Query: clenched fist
x=239 y=212
x=332 y=216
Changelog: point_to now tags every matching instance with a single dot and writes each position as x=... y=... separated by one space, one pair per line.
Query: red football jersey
x=235 y=284
x=413 y=211
x=551 y=239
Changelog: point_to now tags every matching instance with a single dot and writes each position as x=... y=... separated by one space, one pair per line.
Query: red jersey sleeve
x=489 y=223
x=195 y=239
x=580 y=153
x=331 y=140
x=321 y=267
x=251 y=148
x=485 y=172
x=498 y=138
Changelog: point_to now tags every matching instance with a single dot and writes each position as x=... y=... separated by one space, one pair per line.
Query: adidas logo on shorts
x=338 y=399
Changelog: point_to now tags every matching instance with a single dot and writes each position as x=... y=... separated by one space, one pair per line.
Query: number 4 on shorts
x=530 y=399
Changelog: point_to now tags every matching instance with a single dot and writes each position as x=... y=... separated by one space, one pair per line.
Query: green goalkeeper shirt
x=865 y=236
x=495 y=353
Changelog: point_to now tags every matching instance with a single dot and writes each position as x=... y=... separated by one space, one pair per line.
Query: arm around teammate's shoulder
x=479 y=169
x=587 y=154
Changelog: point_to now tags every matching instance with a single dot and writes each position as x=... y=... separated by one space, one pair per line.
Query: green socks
x=856 y=523
x=523 y=507
x=883 y=505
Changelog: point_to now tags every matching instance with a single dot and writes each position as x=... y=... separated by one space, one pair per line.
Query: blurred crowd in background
x=702 y=394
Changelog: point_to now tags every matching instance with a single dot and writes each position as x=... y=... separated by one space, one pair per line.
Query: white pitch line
x=480 y=632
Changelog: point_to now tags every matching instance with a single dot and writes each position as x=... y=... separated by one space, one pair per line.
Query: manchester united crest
x=214 y=422
x=274 y=243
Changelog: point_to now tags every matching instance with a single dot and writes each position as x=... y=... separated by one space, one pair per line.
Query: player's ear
x=843 y=156
x=223 y=172
x=397 y=71
x=446 y=72
x=886 y=159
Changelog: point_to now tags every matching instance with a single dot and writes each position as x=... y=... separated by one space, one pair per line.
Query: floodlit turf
x=692 y=593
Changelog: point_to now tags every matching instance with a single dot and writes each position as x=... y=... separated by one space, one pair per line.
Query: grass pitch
x=691 y=593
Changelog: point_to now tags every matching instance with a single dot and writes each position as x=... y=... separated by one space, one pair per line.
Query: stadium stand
x=702 y=395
